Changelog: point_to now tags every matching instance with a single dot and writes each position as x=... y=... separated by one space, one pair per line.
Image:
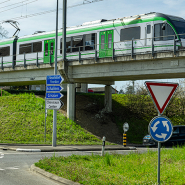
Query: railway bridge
x=140 y=66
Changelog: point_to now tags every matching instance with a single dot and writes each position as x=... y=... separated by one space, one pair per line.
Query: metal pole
x=103 y=146
x=159 y=157
x=45 y=122
x=64 y=30
x=54 y=139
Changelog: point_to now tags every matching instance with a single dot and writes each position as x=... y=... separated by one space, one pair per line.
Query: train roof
x=88 y=26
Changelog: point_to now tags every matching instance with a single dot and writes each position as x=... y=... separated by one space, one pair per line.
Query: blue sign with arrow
x=53 y=88
x=54 y=95
x=160 y=129
x=54 y=80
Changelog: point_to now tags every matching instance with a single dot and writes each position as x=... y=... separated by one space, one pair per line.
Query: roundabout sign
x=160 y=129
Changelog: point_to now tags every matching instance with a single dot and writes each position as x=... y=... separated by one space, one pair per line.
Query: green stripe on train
x=112 y=25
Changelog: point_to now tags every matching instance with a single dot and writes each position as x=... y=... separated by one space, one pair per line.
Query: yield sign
x=161 y=93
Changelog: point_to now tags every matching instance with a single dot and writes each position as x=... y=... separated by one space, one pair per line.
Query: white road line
x=13 y=168
x=1 y=155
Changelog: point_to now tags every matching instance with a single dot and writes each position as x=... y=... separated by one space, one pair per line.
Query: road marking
x=1 y=155
x=13 y=168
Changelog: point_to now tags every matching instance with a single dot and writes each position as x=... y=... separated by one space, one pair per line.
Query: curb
x=27 y=150
x=65 y=149
x=51 y=176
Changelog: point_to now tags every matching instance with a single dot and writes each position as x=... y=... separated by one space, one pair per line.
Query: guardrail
x=122 y=48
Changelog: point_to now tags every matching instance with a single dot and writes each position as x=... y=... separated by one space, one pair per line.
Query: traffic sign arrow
x=165 y=124
x=161 y=136
x=53 y=88
x=160 y=129
x=154 y=128
x=54 y=80
x=54 y=95
x=54 y=104
x=161 y=93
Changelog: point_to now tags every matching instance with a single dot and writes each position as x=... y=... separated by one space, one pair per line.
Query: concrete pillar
x=71 y=101
x=108 y=98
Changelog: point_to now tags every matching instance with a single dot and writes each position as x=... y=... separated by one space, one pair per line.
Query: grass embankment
x=138 y=111
x=22 y=120
x=132 y=169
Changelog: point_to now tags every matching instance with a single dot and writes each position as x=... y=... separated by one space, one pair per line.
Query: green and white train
x=104 y=36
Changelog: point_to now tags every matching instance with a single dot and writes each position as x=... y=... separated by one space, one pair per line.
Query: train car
x=104 y=36
x=8 y=52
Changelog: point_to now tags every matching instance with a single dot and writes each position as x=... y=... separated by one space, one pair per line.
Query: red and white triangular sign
x=161 y=93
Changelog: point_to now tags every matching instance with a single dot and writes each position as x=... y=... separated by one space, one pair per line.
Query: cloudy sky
x=26 y=12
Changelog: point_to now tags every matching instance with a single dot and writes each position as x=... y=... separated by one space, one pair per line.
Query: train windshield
x=179 y=24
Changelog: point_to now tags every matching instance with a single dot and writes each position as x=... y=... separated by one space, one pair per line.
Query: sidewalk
x=61 y=148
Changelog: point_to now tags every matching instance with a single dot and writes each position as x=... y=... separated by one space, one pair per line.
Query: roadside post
x=125 y=129
x=53 y=96
x=160 y=127
x=103 y=146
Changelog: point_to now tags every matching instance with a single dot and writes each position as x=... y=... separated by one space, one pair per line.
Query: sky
x=78 y=12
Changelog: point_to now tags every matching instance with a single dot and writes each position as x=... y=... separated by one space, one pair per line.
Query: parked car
x=178 y=137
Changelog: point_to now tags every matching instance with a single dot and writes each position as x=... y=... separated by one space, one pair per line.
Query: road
x=14 y=166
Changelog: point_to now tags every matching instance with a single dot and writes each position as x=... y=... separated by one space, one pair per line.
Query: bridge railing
x=112 y=49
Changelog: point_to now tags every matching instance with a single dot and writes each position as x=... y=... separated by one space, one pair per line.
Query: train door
x=148 y=41
x=106 y=43
x=49 y=48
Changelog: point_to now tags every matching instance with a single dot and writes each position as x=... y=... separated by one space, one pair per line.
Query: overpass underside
x=164 y=65
x=107 y=70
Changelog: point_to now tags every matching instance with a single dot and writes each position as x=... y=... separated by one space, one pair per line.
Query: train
x=102 y=37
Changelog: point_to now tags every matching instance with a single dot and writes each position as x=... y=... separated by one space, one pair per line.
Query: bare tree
x=3 y=32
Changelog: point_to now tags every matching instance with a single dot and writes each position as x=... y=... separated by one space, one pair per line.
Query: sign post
x=160 y=127
x=52 y=100
x=125 y=129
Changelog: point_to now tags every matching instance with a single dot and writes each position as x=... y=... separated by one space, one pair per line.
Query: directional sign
x=54 y=104
x=53 y=88
x=160 y=129
x=161 y=93
x=54 y=95
x=54 y=80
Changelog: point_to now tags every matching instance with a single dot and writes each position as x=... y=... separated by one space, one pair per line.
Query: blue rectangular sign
x=53 y=88
x=54 y=80
x=54 y=95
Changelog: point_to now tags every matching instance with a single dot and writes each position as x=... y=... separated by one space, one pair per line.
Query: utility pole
x=64 y=30
x=55 y=73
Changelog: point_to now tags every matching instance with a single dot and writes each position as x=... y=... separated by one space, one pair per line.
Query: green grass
x=138 y=111
x=132 y=169
x=23 y=121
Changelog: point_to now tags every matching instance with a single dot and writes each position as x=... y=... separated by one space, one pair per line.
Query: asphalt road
x=14 y=166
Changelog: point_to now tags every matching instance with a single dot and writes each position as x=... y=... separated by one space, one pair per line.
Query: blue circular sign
x=160 y=129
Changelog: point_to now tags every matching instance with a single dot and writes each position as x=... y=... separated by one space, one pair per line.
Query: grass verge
x=23 y=121
x=132 y=169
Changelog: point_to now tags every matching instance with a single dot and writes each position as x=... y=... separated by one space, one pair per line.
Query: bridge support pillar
x=108 y=98
x=71 y=101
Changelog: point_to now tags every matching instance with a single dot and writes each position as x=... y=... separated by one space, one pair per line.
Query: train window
x=46 y=49
x=102 y=41
x=77 y=42
x=148 y=28
x=52 y=48
x=90 y=41
x=109 y=40
x=5 y=51
x=25 y=48
x=68 y=45
x=37 y=46
x=130 y=33
x=163 y=32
